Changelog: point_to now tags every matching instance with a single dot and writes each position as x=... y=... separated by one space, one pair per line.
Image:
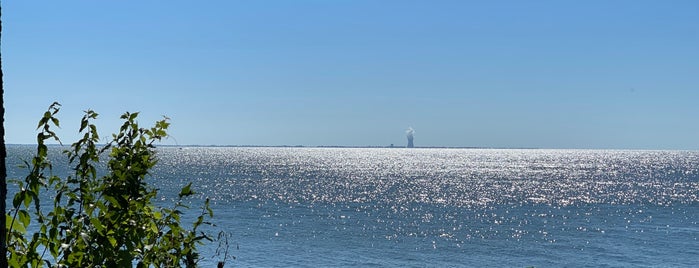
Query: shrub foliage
x=100 y=220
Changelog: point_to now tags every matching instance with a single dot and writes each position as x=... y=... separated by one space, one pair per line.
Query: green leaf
x=17 y=200
x=83 y=124
x=53 y=247
x=208 y=208
x=41 y=149
x=55 y=121
x=98 y=225
x=154 y=227
x=186 y=191
x=112 y=200
x=13 y=262
x=24 y=217
x=112 y=241
x=10 y=225
x=27 y=199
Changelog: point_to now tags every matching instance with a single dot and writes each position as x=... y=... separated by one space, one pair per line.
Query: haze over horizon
x=502 y=74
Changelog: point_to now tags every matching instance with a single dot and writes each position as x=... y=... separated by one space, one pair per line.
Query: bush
x=100 y=221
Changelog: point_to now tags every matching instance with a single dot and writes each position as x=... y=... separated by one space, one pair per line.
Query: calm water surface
x=328 y=207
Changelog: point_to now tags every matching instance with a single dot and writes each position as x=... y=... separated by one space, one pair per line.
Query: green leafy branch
x=101 y=221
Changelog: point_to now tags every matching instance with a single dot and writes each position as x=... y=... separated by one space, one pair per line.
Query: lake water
x=373 y=207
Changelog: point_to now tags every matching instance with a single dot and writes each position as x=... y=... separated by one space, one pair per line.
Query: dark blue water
x=333 y=207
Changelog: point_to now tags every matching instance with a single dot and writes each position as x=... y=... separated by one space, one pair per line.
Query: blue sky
x=545 y=74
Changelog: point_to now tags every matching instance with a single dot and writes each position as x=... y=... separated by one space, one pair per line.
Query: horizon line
x=372 y=147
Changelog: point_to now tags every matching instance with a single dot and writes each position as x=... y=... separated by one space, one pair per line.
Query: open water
x=356 y=207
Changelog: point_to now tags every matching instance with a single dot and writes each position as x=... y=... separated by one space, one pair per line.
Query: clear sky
x=545 y=74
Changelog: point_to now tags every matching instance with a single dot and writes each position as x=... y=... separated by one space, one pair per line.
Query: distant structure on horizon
x=409 y=133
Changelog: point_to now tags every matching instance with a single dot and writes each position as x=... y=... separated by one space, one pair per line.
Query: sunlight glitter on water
x=538 y=207
x=454 y=177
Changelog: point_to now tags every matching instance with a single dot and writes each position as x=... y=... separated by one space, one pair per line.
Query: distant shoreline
x=377 y=147
x=301 y=146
